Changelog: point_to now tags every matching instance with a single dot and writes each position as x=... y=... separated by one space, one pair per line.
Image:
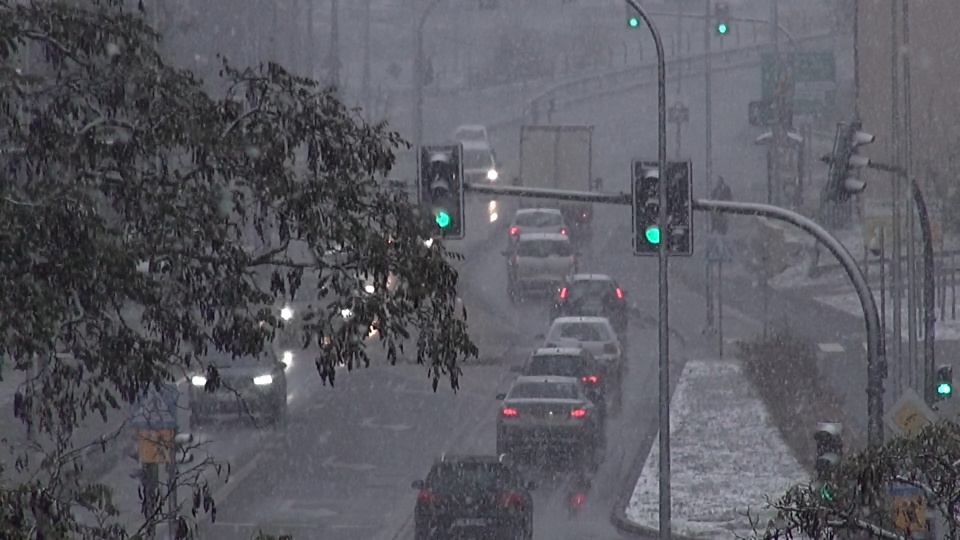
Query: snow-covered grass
x=946 y=330
x=727 y=456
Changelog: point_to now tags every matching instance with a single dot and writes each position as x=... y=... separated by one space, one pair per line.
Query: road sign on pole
x=909 y=507
x=718 y=250
x=909 y=414
x=157 y=409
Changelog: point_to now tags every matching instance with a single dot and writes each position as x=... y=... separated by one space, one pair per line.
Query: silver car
x=596 y=335
x=537 y=220
x=549 y=413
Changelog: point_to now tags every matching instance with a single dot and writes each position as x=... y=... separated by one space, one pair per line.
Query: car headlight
x=370 y=289
x=428 y=242
x=286 y=313
x=346 y=313
x=492 y=175
x=263 y=380
x=198 y=380
x=287 y=358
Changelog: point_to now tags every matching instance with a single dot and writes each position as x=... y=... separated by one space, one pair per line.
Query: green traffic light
x=652 y=234
x=633 y=22
x=722 y=28
x=944 y=389
x=443 y=219
x=825 y=493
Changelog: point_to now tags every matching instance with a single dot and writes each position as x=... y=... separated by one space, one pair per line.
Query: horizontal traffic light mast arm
x=554 y=194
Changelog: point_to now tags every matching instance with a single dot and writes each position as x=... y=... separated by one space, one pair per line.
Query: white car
x=537 y=220
x=539 y=261
x=595 y=335
x=479 y=163
x=471 y=133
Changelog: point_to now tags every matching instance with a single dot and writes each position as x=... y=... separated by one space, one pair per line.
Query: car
x=479 y=163
x=471 y=134
x=590 y=295
x=537 y=220
x=571 y=362
x=475 y=495
x=594 y=334
x=550 y=413
x=539 y=261
x=248 y=386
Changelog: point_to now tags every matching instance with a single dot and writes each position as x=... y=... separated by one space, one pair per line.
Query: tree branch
x=239 y=119
x=882 y=533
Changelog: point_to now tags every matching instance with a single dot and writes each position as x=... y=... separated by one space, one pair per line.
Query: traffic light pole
x=418 y=69
x=876 y=364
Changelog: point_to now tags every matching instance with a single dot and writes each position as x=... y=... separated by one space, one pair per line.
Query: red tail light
x=509 y=498
x=619 y=293
x=427 y=496
x=610 y=348
x=577 y=500
x=578 y=413
x=586 y=214
x=514 y=230
x=592 y=379
x=509 y=412
x=563 y=231
x=563 y=293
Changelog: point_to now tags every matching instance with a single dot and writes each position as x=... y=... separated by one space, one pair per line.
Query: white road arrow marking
x=370 y=423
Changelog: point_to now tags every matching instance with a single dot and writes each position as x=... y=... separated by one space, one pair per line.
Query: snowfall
x=727 y=457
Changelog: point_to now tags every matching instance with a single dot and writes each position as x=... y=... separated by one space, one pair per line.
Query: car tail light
x=509 y=412
x=427 y=496
x=619 y=293
x=514 y=230
x=592 y=379
x=610 y=348
x=586 y=215
x=563 y=231
x=563 y=293
x=509 y=498
x=577 y=500
x=578 y=413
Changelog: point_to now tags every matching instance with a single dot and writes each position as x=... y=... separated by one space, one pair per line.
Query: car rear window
x=544 y=248
x=582 y=332
x=539 y=219
x=456 y=476
x=544 y=390
x=564 y=366
x=590 y=289
x=477 y=159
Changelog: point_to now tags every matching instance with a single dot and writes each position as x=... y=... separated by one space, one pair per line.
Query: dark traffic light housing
x=944 y=383
x=646 y=207
x=633 y=17
x=440 y=187
x=829 y=439
x=843 y=181
x=721 y=16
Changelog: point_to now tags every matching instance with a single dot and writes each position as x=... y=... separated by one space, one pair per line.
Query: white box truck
x=559 y=157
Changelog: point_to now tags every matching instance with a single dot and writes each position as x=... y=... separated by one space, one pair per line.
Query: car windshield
x=457 y=476
x=544 y=248
x=477 y=159
x=581 y=332
x=590 y=289
x=225 y=360
x=563 y=366
x=544 y=390
x=539 y=219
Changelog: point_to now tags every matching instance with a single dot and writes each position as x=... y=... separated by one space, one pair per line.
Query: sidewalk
x=727 y=457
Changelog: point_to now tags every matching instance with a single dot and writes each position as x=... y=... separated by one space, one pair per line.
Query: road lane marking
x=831 y=347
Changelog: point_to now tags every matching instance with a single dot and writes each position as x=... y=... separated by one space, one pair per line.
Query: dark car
x=249 y=386
x=571 y=362
x=592 y=295
x=479 y=496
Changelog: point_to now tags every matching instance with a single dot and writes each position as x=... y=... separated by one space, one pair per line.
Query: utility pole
x=896 y=270
x=367 y=101
x=779 y=100
x=912 y=299
x=335 y=43
x=708 y=108
x=311 y=41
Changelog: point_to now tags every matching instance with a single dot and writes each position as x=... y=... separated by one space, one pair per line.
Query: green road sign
x=811 y=76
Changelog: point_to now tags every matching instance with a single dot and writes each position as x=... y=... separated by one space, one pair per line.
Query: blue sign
x=157 y=410
x=898 y=489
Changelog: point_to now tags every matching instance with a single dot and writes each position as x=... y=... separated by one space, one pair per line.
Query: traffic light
x=633 y=18
x=829 y=439
x=944 y=384
x=646 y=207
x=845 y=163
x=721 y=22
x=439 y=179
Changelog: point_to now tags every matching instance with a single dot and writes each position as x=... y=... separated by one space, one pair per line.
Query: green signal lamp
x=634 y=22
x=826 y=493
x=722 y=28
x=944 y=389
x=652 y=234
x=442 y=218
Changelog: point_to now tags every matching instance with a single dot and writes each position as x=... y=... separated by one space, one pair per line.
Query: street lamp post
x=664 y=335
x=418 y=68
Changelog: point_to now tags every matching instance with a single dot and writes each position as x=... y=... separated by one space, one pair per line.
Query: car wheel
x=502 y=448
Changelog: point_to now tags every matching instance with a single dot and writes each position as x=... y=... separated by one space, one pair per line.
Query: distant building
x=931 y=57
